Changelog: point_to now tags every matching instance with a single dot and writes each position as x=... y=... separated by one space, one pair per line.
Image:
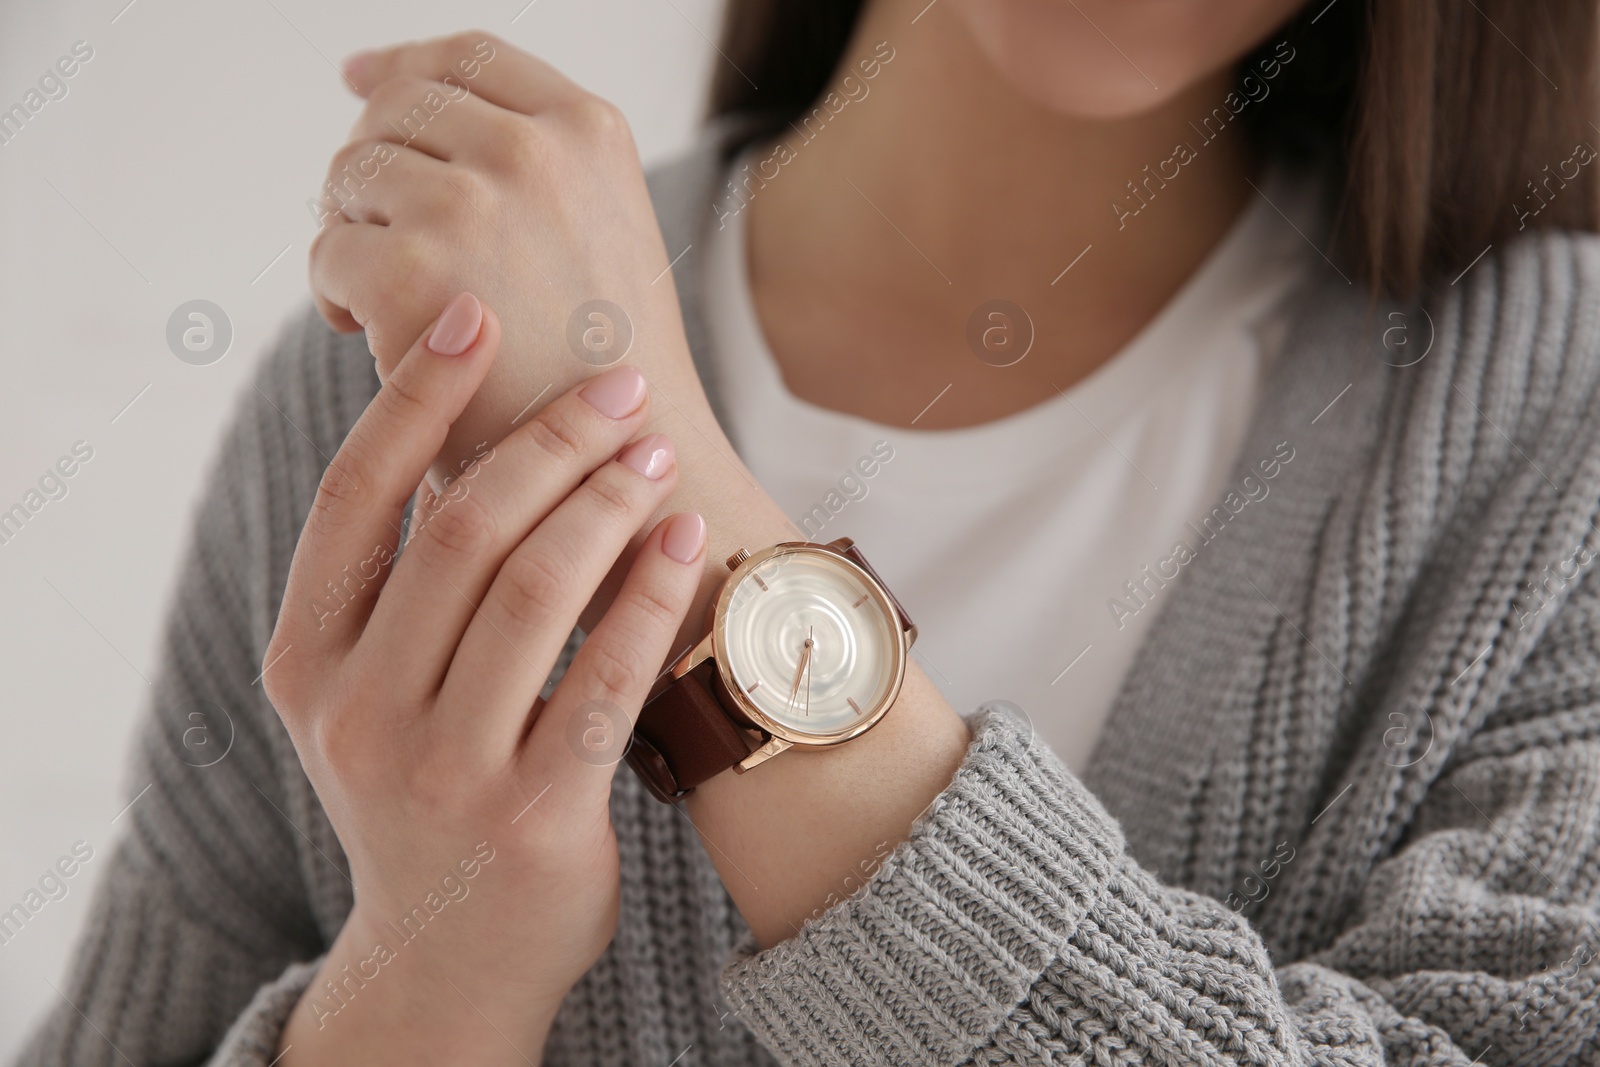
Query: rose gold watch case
x=780 y=736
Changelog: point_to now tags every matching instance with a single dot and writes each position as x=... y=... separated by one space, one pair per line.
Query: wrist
x=376 y=997
x=801 y=832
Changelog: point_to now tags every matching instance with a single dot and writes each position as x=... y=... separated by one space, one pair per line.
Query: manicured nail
x=650 y=456
x=458 y=327
x=617 y=393
x=684 y=537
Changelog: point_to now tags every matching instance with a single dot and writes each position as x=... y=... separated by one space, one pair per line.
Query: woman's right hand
x=474 y=815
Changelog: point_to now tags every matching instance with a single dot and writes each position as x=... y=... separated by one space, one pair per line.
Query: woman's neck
x=931 y=188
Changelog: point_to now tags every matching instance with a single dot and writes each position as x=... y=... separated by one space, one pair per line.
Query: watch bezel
x=885 y=606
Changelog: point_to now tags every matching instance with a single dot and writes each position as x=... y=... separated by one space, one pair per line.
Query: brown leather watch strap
x=848 y=548
x=684 y=737
x=687 y=734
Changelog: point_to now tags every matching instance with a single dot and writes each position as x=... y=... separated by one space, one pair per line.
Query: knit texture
x=1344 y=810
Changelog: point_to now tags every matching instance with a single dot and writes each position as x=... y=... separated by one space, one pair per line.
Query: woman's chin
x=1097 y=62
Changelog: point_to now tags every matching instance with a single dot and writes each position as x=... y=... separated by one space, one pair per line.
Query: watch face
x=810 y=642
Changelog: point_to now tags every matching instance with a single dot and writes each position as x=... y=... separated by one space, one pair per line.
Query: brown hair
x=1443 y=119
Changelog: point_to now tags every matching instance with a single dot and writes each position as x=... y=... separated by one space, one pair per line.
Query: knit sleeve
x=1013 y=927
x=203 y=932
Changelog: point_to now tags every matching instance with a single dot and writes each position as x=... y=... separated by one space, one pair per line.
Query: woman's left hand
x=476 y=166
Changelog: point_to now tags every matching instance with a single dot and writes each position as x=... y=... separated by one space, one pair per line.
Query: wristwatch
x=806 y=646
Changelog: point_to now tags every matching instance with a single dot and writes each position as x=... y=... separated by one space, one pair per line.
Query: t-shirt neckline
x=1102 y=397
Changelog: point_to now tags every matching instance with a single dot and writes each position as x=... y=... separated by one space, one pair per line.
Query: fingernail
x=354 y=63
x=684 y=537
x=458 y=327
x=650 y=456
x=617 y=393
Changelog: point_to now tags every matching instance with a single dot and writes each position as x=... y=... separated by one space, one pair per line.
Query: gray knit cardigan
x=1346 y=808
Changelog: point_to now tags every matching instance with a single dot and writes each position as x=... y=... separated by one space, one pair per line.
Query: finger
x=500 y=73
x=429 y=117
x=378 y=181
x=512 y=642
x=423 y=114
x=583 y=731
x=363 y=269
x=352 y=530
x=462 y=540
x=336 y=316
x=340 y=320
x=339 y=265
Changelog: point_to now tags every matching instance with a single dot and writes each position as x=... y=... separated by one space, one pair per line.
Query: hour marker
x=860 y=602
x=853 y=705
x=753 y=686
x=759 y=582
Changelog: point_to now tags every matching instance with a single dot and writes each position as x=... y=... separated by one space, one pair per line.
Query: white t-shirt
x=1010 y=542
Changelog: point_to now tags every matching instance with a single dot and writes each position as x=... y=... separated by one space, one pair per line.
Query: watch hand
x=795 y=688
x=810 y=644
x=805 y=658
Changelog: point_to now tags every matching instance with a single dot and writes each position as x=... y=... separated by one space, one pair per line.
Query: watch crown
x=738 y=558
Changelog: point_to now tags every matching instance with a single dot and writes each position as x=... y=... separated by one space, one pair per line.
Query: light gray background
x=176 y=168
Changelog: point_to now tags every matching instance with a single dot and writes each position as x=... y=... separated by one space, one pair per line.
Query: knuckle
x=599 y=117
x=399 y=93
x=337 y=741
x=317 y=256
x=615 y=669
x=655 y=609
x=341 y=492
x=520 y=144
x=348 y=158
x=465 y=191
x=612 y=499
x=463 y=44
x=373 y=303
x=531 y=585
x=276 y=682
x=339 y=729
x=387 y=355
x=461 y=529
x=556 y=433
x=403 y=401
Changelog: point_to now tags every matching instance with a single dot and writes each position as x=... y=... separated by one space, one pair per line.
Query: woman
x=1260 y=332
